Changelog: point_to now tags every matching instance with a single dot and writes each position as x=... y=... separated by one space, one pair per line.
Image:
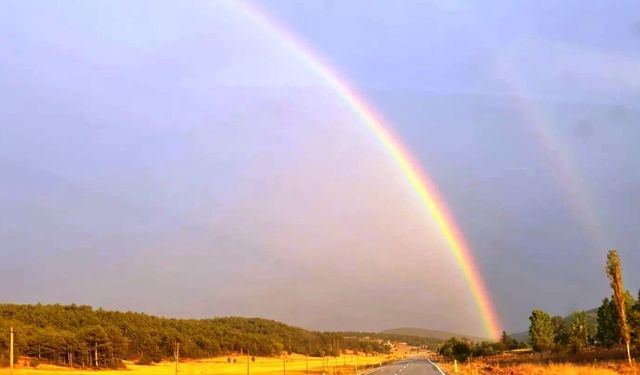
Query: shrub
x=144 y=360
x=456 y=349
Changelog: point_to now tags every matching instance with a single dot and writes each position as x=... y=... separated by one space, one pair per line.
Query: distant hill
x=430 y=333
x=520 y=336
x=411 y=340
x=63 y=334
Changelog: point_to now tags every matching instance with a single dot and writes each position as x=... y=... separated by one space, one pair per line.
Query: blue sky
x=151 y=148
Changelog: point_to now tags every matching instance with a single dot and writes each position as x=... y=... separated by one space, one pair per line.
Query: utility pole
x=284 y=365
x=306 y=361
x=323 y=365
x=338 y=352
x=177 y=357
x=11 y=353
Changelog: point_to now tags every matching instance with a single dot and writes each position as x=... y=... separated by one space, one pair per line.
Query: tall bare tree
x=614 y=273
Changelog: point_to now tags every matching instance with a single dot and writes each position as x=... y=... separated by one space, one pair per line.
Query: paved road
x=411 y=366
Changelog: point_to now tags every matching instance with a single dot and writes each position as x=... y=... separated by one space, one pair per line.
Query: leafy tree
x=508 y=343
x=608 y=331
x=582 y=330
x=541 y=331
x=614 y=273
x=560 y=330
x=634 y=321
x=96 y=340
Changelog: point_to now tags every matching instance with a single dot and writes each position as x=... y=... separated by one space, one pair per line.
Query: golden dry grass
x=479 y=368
x=295 y=365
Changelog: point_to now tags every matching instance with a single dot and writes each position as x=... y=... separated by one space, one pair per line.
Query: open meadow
x=607 y=368
x=295 y=365
x=528 y=364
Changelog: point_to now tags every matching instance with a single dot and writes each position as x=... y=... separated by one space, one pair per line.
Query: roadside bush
x=456 y=349
x=144 y=360
x=487 y=348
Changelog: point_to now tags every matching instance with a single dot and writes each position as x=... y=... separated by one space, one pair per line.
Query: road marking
x=437 y=367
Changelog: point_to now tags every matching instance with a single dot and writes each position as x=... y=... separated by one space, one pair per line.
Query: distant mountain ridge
x=430 y=333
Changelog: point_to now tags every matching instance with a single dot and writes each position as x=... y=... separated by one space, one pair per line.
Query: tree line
x=460 y=348
x=80 y=336
x=615 y=323
x=365 y=338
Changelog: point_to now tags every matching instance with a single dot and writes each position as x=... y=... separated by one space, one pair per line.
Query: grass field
x=611 y=368
x=294 y=365
x=485 y=367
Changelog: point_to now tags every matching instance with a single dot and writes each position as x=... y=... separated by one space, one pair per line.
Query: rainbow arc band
x=420 y=183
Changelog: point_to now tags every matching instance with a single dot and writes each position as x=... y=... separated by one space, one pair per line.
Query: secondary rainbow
x=418 y=180
x=569 y=177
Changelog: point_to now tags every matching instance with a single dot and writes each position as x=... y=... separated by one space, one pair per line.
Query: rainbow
x=418 y=180
x=567 y=176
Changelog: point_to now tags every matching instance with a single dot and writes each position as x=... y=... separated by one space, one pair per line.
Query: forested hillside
x=82 y=336
x=413 y=340
x=430 y=333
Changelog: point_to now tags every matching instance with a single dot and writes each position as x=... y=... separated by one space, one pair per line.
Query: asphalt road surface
x=411 y=366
